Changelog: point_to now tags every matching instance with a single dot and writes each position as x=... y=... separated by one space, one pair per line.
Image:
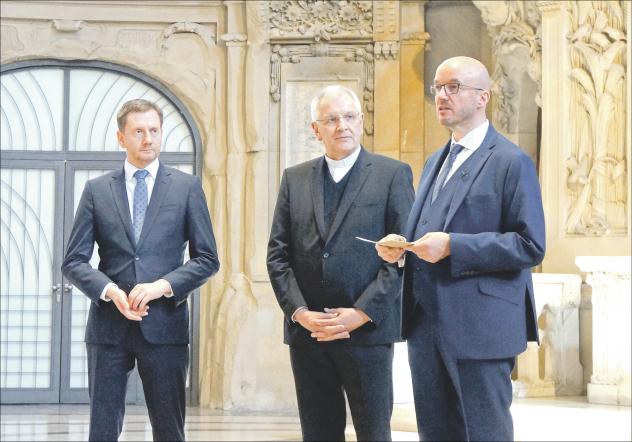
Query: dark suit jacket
x=496 y=225
x=311 y=267
x=177 y=214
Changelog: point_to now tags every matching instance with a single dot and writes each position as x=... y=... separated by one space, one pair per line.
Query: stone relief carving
x=386 y=49
x=294 y=53
x=597 y=174
x=321 y=19
x=512 y=25
x=9 y=39
x=67 y=25
x=206 y=34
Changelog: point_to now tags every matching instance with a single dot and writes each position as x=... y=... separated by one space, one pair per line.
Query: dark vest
x=432 y=219
x=333 y=192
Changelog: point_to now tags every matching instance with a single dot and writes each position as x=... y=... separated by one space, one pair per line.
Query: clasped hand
x=432 y=247
x=333 y=324
x=134 y=306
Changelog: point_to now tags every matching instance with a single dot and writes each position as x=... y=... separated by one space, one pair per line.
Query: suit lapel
x=359 y=173
x=318 y=198
x=119 y=194
x=468 y=171
x=161 y=187
x=423 y=190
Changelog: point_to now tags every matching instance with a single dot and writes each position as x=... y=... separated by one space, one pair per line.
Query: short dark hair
x=137 y=105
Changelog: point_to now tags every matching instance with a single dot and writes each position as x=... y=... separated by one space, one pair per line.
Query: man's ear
x=121 y=138
x=316 y=131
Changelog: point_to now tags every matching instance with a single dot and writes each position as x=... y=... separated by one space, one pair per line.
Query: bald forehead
x=466 y=70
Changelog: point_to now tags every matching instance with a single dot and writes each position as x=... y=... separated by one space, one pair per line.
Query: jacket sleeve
x=203 y=262
x=76 y=266
x=379 y=296
x=520 y=242
x=279 y=258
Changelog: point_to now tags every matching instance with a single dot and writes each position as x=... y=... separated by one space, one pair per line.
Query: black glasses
x=451 y=88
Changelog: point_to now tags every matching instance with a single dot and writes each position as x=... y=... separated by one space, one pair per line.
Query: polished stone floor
x=554 y=419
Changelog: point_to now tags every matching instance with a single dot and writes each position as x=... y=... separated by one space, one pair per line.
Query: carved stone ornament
x=386 y=49
x=206 y=34
x=321 y=19
x=597 y=176
x=294 y=54
x=67 y=25
x=512 y=24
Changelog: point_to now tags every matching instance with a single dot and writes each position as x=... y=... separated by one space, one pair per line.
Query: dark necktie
x=441 y=178
x=140 y=202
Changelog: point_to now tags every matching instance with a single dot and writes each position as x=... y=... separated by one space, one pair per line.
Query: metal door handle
x=68 y=287
x=55 y=288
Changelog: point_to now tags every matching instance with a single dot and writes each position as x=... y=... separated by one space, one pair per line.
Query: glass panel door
x=30 y=289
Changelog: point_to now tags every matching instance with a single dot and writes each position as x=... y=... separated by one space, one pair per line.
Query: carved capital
x=234 y=39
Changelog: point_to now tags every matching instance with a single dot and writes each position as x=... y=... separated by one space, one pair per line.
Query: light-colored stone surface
x=609 y=277
x=554 y=367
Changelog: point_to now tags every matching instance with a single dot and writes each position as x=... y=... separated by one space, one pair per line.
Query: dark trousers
x=324 y=372
x=163 y=371
x=466 y=400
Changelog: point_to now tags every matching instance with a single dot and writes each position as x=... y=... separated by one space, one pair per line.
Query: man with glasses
x=341 y=301
x=478 y=227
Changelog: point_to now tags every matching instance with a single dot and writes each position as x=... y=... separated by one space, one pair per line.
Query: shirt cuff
x=105 y=290
x=296 y=311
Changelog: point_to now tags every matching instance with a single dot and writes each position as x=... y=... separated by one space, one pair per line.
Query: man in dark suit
x=341 y=302
x=478 y=227
x=141 y=217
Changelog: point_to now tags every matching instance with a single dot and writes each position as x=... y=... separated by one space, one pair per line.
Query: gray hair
x=333 y=90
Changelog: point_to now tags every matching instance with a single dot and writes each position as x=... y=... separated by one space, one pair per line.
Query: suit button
x=137 y=258
x=424 y=222
x=325 y=255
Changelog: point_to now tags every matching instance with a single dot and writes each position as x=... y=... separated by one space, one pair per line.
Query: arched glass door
x=57 y=130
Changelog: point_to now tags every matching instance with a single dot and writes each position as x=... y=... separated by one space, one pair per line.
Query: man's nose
x=147 y=138
x=341 y=124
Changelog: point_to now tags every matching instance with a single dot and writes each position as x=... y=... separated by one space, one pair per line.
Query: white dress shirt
x=470 y=141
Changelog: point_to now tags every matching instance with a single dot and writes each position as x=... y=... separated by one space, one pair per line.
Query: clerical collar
x=347 y=161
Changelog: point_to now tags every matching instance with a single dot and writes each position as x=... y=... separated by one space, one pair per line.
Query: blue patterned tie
x=455 y=149
x=140 y=202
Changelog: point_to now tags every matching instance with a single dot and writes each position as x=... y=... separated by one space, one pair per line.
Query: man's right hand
x=119 y=298
x=390 y=254
x=308 y=319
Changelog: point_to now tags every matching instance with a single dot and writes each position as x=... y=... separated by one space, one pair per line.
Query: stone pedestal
x=553 y=368
x=609 y=277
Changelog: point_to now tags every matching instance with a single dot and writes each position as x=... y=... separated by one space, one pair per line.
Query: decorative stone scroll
x=597 y=175
x=321 y=20
x=206 y=34
x=512 y=25
x=386 y=50
x=294 y=54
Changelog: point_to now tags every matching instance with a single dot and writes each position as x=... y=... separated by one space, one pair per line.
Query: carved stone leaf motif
x=598 y=161
x=512 y=24
x=321 y=19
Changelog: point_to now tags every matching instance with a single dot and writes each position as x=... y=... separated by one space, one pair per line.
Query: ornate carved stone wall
x=586 y=117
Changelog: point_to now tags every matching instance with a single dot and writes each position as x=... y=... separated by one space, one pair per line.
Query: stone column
x=553 y=368
x=609 y=277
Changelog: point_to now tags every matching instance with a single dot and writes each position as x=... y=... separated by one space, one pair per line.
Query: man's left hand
x=350 y=318
x=432 y=247
x=141 y=294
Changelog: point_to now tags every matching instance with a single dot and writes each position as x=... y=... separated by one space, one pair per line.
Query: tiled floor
x=535 y=419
